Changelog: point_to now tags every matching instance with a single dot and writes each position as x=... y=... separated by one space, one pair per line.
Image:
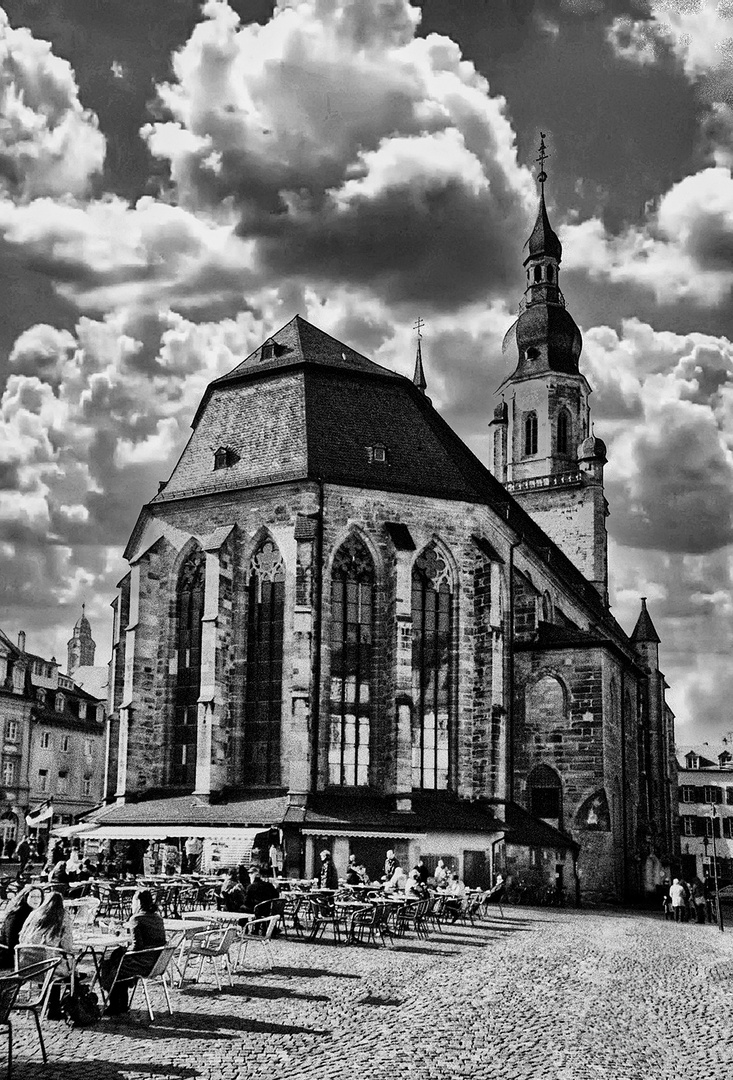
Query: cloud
x=698 y=35
x=662 y=402
x=352 y=151
x=684 y=249
x=49 y=144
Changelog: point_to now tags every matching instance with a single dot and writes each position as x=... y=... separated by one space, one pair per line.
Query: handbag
x=80 y=1009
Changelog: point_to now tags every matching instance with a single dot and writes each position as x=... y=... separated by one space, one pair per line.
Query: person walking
x=677 y=897
x=328 y=878
x=697 y=892
x=23 y=854
x=194 y=848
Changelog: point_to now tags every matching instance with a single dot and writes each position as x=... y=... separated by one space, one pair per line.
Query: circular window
x=532 y=353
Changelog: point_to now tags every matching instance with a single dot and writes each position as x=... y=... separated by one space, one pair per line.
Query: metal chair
x=32 y=955
x=250 y=933
x=41 y=977
x=323 y=913
x=211 y=945
x=9 y=988
x=414 y=915
x=162 y=958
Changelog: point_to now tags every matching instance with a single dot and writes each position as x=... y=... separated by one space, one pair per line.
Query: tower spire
x=418 y=377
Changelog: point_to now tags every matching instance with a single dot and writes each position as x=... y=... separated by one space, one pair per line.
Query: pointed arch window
x=530 y=434
x=538 y=273
x=563 y=432
x=189 y=612
x=264 y=667
x=352 y=664
x=432 y=670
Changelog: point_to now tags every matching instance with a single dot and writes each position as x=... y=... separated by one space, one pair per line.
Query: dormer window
x=724 y=759
x=377 y=455
x=224 y=458
x=268 y=351
x=692 y=761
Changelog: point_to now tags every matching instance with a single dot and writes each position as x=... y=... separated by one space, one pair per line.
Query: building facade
x=53 y=742
x=339 y=623
x=705 y=777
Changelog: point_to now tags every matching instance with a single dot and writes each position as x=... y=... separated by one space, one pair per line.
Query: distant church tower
x=543 y=449
x=81 y=646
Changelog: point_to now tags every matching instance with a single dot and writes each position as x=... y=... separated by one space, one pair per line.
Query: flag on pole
x=42 y=813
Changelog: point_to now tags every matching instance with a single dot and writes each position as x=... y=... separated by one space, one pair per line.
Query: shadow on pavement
x=311 y=973
x=249 y=990
x=99 y=1070
x=190 y=1025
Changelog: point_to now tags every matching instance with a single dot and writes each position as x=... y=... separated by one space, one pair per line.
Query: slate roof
x=644 y=629
x=312 y=411
x=708 y=754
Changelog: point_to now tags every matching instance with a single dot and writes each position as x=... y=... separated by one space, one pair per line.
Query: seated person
x=73 y=865
x=456 y=891
x=496 y=894
x=259 y=892
x=23 y=904
x=397 y=882
x=353 y=877
x=231 y=894
x=59 y=878
x=440 y=875
x=414 y=888
x=243 y=875
x=146 y=931
x=50 y=925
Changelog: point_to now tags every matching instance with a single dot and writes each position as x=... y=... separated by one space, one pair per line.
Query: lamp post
x=714 y=816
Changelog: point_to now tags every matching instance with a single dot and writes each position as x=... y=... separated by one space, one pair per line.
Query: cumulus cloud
x=699 y=35
x=684 y=249
x=352 y=150
x=49 y=144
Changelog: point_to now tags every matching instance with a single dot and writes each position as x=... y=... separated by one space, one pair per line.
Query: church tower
x=543 y=447
x=81 y=646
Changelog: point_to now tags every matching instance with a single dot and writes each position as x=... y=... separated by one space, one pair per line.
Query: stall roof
x=162 y=832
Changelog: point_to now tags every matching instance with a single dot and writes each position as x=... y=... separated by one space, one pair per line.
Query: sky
x=178 y=179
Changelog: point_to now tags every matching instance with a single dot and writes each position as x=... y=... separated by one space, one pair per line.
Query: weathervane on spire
x=542 y=156
x=419 y=377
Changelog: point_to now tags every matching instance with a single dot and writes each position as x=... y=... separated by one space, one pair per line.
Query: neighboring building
x=53 y=741
x=705 y=778
x=81 y=646
x=338 y=623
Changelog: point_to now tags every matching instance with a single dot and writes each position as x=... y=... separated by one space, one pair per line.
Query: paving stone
x=561 y=995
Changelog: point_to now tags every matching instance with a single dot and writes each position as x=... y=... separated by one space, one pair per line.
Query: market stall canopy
x=163 y=832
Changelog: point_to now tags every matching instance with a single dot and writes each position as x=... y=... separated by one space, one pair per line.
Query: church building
x=341 y=625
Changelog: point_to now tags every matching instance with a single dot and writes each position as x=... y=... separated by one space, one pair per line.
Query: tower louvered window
x=264 y=672
x=530 y=433
x=190 y=609
x=432 y=670
x=352 y=664
x=563 y=432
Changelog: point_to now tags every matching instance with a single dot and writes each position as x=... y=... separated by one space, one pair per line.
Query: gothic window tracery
x=190 y=609
x=264 y=666
x=352 y=663
x=432 y=669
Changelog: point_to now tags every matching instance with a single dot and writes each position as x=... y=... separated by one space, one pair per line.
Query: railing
x=554 y=480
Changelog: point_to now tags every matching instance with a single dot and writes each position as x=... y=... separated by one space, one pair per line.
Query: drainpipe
x=317 y=647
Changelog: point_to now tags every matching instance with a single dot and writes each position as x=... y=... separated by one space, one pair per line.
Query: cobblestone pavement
x=559 y=995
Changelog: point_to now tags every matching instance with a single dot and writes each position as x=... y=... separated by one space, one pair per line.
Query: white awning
x=162 y=832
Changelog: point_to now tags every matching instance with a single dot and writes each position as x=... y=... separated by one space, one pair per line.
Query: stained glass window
x=352 y=664
x=432 y=670
x=264 y=669
x=188 y=679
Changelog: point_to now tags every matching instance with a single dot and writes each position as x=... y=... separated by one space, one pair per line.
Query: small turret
x=418 y=377
x=81 y=646
x=644 y=632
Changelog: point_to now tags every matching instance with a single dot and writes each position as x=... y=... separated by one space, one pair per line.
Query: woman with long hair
x=146 y=931
x=49 y=925
x=14 y=918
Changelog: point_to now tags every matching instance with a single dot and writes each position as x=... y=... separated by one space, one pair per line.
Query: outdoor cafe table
x=206 y=915
x=94 y=943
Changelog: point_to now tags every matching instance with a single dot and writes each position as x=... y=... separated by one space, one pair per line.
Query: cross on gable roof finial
x=542 y=157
